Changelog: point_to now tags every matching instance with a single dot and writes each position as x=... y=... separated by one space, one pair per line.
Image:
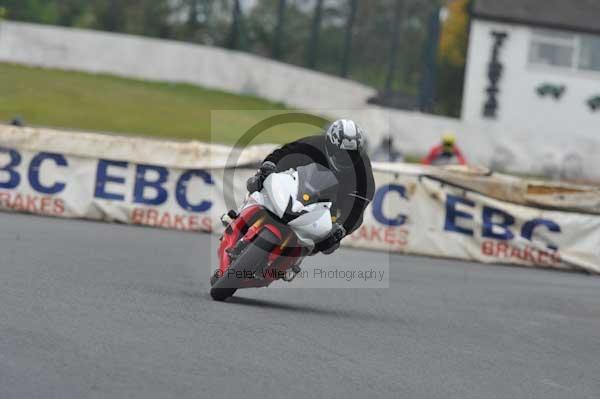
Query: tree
x=198 y=20
x=155 y=18
x=313 y=45
x=70 y=11
x=452 y=57
x=111 y=15
x=428 y=86
x=233 y=41
x=348 y=40
x=31 y=10
x=261 y=25
x=394 y=45
x=279 y=31
x=193 y=15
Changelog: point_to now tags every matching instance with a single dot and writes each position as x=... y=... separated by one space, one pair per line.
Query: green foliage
x=452 y=57
x=371 y=38
x=31 y=10
x=143 y=17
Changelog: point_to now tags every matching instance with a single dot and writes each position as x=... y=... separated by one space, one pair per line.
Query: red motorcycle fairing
x=245 y=228
x=234 y=233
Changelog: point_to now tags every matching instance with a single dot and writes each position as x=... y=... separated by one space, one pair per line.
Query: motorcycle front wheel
x=250 y=261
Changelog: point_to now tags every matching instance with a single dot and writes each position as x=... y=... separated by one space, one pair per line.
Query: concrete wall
x=169 y=61
x=520 y=107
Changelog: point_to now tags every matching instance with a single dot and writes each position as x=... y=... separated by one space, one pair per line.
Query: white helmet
x=344 y=144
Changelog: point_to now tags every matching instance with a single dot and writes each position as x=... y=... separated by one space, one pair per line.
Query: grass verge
x=74 y=100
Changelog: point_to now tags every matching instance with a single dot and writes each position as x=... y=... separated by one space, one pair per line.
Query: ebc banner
x=68 y=186
x=410 y=213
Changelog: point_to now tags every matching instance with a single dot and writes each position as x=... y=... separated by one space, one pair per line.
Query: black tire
x=221 y=294
x=214 y=278
x=254 y=255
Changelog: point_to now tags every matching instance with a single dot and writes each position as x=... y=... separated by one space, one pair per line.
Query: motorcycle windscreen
x=316 y=183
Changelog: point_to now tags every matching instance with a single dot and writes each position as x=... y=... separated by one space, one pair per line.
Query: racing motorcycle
x=274 y=230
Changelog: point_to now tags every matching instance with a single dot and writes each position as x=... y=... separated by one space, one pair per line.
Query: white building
x=535 y=65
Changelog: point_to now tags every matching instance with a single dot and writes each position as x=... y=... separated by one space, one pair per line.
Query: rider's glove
x=255 y=183
x=332 y=249
x=332 y=242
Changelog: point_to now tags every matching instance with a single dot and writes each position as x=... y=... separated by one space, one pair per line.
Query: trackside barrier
x=467 y=214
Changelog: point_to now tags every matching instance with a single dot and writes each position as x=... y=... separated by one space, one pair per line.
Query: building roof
x=573 y=15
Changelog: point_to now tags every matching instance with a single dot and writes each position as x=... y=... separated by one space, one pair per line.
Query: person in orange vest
x=446 y=153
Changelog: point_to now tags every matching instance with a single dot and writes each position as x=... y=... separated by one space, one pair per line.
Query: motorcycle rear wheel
x=255 y=255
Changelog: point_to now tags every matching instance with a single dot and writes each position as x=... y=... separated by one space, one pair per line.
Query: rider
x=342 y=150
x=446 y=153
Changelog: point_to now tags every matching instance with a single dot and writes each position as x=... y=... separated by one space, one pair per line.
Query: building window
x=555 y=49
x=571 y=51
x=551 y=54
x=589 y=54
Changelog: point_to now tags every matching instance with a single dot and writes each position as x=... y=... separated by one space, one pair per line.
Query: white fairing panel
x=314 y=225
x=280 y=189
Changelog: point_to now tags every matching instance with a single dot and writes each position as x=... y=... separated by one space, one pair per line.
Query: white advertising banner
x=423 y=215
x=411 y=211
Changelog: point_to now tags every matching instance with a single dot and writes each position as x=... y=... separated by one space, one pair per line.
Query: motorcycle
x=274 y=230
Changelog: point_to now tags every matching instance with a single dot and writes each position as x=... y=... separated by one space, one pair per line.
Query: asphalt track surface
x=92 y=310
